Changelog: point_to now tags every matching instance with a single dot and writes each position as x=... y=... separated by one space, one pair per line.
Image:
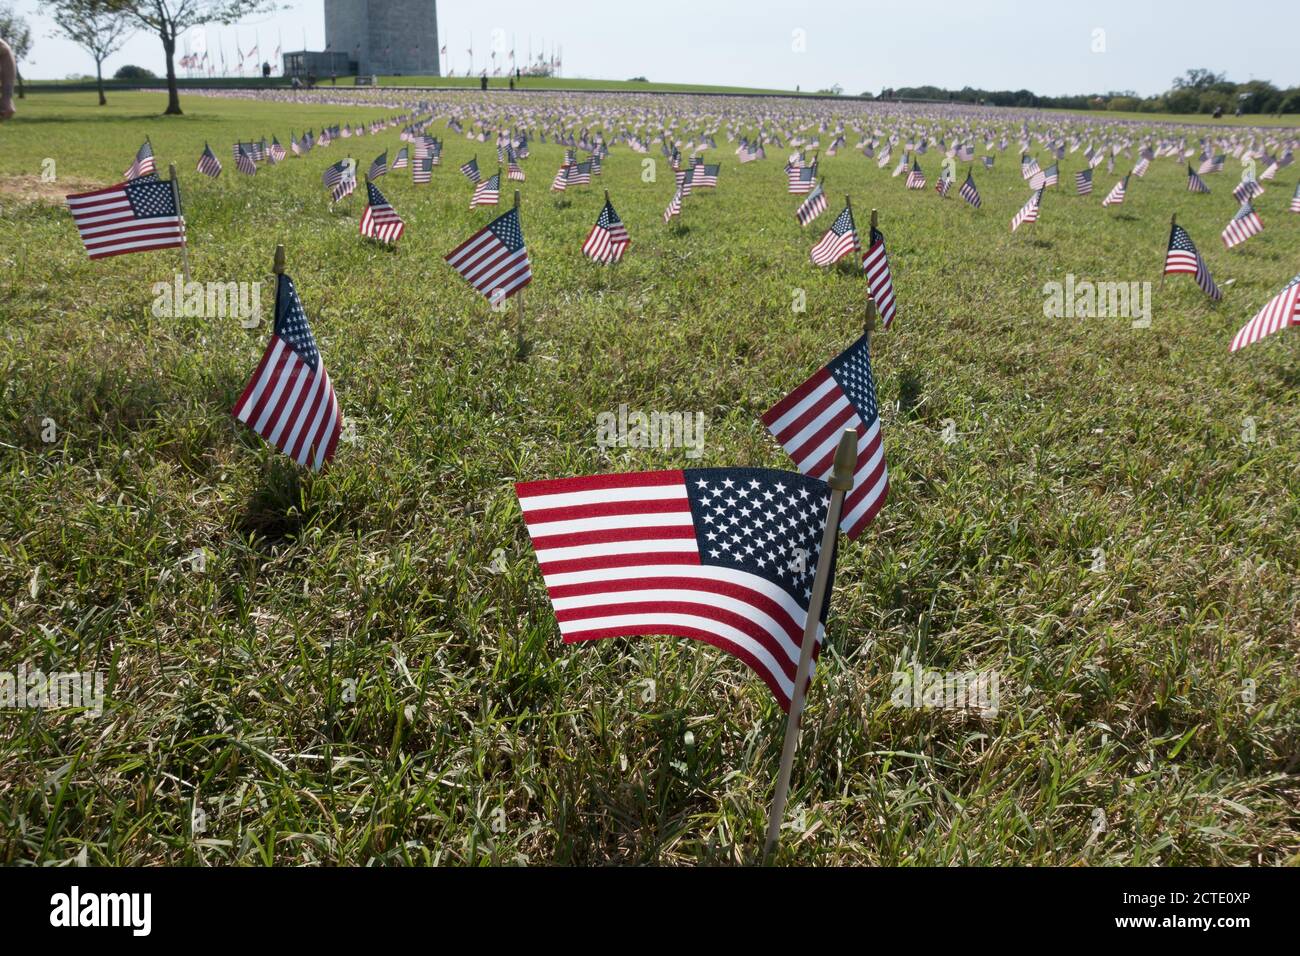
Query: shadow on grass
x=910 y=389
x=278 y=509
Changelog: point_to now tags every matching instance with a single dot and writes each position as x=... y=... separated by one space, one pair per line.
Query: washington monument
x=385 y=37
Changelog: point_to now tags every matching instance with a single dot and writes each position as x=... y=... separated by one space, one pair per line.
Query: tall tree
x=168 y=19
x=15 y=31
x=94 y=27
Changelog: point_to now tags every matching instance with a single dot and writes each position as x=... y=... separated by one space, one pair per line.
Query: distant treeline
x=1197 y=91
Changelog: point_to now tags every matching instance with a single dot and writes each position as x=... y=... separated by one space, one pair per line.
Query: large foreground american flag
x=1281 y=311
x=809 y=421
x=135 y=216
x=721 y=555
x=290 y=401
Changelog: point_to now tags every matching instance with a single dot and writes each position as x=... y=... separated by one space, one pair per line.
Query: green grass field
x=368 y=671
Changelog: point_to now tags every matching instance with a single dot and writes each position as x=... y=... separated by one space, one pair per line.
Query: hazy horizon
x=995 y=45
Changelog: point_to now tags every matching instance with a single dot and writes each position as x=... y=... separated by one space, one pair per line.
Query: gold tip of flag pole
x=846 y=457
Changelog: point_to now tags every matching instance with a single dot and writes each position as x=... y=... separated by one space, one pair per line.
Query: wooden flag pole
x=176 y=198
x=521 y=344
x=871 y=302
x=841 y=480
x=277 y=264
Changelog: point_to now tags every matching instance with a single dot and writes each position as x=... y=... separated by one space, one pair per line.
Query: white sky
x=1045 y=46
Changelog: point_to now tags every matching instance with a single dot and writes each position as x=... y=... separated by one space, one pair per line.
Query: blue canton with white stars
x=150 y=197
x=507 y=229
x=843 y=222
x=608 y=217
x=374 y=197
x=764 y=522
x=291 y=323
x=852 y=370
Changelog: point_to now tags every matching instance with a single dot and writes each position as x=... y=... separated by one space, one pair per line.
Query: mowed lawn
x=368 y=671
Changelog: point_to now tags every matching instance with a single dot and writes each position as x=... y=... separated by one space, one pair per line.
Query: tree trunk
x=173 y=95
x=22 y=94
x=99 y=81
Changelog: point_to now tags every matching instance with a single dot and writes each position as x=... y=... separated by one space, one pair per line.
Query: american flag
x=133 y=216
x=1214 y=165
x=494 y=260
x=988 y=162
x=379 y=167
x=902 y=166
x=209 y=165
x=1281 y=311
x=1295 y=199
x=379 y=220
x=720 y=555
x=1038 y=180
x=942 y=185
x=295 y=147
x=513 y=169
x=487 y=192
x=880 y=284
x=1243 y=225
x=561 y=181
x=1182 y=257
x=1246 y=190
x=244 y=163
x=1083 y=182
x=580 y=173
x=344 y=187
x=401 y=160
x=422 y=169
x=290 y=401
x=809 y=421
x=916 y=179
x=1116 y=195
x=1052 y=175
x=840 y=240
x=1028 y=167
x=470 y=169
x=143 y=164
x=276 y=151
x=812 y=207
x=968 y=191
x=1028 y=212
x=801 y=180
x=336 y=173
x=706 y=174
x=685 y=180
x=674 y=205
x=608 y=239
x=1140 y=170
x=1195 y=184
